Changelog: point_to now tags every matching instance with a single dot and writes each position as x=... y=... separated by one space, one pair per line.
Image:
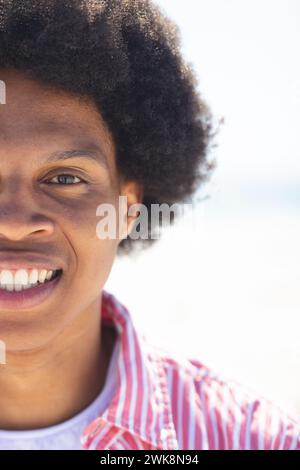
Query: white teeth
x=23 y=278
x=42 y=275
x=6 y=277
x=33 y=277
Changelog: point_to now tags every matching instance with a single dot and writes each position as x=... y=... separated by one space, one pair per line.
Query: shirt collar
x=141 y=403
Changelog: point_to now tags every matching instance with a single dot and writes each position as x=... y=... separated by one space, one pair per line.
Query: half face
x=57 y=165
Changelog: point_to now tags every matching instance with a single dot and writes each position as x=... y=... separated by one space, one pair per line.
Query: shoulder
x=213 y=411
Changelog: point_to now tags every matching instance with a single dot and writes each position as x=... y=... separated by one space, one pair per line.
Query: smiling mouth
x=15 y=287
x=30 y=297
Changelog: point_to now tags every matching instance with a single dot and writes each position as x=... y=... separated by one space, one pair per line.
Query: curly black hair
x=125 y=55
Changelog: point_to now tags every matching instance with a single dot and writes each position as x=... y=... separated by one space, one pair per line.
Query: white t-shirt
x=66 y=435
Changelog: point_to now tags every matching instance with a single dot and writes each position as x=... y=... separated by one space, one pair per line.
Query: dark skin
x=57 y=353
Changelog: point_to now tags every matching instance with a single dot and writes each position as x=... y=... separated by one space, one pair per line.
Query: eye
x=65 y=179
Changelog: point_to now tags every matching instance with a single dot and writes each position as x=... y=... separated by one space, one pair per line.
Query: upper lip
x=19 y=260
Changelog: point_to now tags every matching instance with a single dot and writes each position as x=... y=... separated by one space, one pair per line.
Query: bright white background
x=223 y=285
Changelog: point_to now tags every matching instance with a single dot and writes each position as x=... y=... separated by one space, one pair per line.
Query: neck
x=45 y=387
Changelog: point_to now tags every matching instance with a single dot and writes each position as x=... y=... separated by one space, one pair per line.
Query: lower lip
x=28 y=298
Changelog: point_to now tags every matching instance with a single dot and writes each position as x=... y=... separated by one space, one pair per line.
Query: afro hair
x=125 y=56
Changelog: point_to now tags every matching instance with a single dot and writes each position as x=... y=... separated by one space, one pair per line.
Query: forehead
x=35 y=114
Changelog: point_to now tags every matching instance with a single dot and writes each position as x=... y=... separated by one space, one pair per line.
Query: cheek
x=94 y=256
x=95 y=259
x=100 y=259
x=78 y=217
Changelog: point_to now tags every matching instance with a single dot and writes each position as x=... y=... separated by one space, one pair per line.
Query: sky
x=246 y=57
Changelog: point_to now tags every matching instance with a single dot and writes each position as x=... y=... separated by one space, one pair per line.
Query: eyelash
x=66 y=184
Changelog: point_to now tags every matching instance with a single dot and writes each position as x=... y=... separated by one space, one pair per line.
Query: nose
x=18 y=223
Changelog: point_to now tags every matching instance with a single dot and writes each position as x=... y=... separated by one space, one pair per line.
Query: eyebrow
x=95 y=155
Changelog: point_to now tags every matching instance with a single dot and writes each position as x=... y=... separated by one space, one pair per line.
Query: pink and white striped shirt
x=167 y=402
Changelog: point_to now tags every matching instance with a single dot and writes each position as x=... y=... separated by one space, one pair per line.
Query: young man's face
x=49 y=216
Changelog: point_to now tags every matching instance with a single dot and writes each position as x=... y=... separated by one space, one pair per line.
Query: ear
x=132 y=193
